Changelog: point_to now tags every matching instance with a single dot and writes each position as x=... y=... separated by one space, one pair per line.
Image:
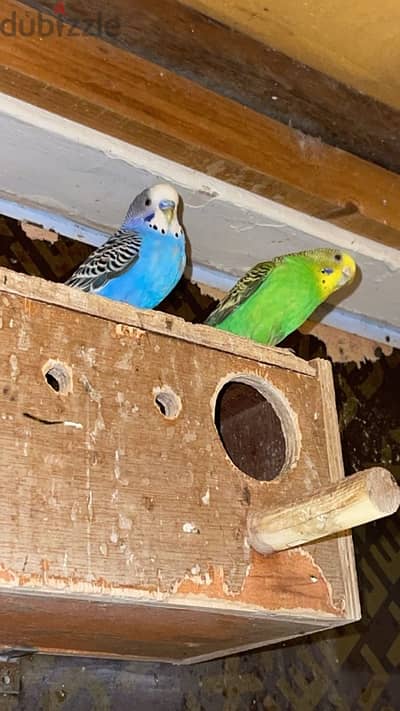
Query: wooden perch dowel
x=357 y=499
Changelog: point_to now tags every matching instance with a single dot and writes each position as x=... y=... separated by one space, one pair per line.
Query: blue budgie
x=144 y=260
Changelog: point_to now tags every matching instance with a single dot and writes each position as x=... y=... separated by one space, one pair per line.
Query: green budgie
x=274 y=298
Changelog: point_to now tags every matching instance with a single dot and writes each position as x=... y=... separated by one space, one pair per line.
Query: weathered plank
x=164 y=324
x=354 y=43
x=347 y=575
x=99 y=85
x=233 y=64
x=52 y=624
x=122 y=491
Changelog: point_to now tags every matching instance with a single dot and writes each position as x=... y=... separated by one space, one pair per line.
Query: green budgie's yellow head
x=276 y=297
x=332 y=268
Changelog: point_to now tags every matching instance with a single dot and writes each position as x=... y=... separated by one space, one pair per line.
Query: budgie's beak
x=168 y=208
x=348 y=271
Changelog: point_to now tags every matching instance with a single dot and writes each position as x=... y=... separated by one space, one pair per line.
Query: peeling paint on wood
x=269 y=578
x=118 y=497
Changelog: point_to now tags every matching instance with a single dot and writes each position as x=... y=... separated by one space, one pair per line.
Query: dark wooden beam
x=238 y=67
x=114 y=91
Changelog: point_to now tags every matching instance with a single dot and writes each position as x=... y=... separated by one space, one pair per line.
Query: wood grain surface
x=354 y=43
x=116 y=499
x=87 y=79
x=234 y=64
x=49 y=624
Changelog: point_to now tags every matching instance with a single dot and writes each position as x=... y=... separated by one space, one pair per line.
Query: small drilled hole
x=58 y=377
x=256 y=427
x=168 y=403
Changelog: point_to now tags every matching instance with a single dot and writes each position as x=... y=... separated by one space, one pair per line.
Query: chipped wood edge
x=188 y=601
x=336 y=473
x=66 y=297
x=83 y=591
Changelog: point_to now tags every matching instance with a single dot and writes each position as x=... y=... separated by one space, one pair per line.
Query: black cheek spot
x=324 y=281
x=155 y=227
x=163 y=231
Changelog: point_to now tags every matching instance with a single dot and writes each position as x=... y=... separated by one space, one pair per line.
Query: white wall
x=73 y=172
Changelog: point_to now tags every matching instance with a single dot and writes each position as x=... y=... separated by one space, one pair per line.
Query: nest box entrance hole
x=257 y=427
x=58 y=376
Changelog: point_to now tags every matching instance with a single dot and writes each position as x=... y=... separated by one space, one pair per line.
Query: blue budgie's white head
x=144 y=259
x=157 y=207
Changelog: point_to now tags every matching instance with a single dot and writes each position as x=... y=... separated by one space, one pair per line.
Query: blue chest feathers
x=153 y=275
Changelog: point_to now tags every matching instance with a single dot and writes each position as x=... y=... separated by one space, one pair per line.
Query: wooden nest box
x=158 y=481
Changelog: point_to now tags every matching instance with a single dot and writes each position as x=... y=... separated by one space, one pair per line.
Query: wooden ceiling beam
x=354 y=42
x=114 y=91
x=239 y=67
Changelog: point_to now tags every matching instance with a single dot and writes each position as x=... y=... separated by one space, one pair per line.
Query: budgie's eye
x=338 y=257
x=148 y=202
